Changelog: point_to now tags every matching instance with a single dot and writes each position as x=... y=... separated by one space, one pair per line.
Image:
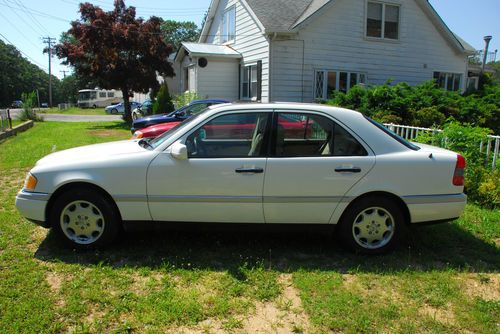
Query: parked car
x=179 y=115
x=44 y=105
x=290 y=126
x=119 y=108
x=343 y=170
x=16 y=104
x=146 y=108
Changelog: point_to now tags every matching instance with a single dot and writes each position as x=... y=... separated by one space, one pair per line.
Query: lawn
x=444 y=279
x=74 y=111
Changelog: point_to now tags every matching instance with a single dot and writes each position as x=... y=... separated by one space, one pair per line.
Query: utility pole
x=64 y=72
x=49 y=40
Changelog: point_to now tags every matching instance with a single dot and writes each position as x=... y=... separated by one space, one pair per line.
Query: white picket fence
x=4 y=121
x=411 y=132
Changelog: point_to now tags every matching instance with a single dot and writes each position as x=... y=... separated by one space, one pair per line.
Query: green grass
x=444 y=279
x=74 y=111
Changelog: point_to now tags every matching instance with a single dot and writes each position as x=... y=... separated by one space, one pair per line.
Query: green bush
x=185 y=98
x=423 y=105
x=482 y=185
x=28 y=113
x=163 y=103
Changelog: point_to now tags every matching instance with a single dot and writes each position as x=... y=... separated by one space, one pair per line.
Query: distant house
x=302 y=50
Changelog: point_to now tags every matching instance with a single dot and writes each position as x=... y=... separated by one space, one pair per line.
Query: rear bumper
x=32 y=206
x=428 y=208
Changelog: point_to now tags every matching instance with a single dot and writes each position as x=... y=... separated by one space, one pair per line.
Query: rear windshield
x=395 y=136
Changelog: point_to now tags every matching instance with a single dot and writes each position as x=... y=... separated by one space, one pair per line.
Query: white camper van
x=93 y=98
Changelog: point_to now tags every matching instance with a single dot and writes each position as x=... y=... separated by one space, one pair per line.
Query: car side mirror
x=179 y=151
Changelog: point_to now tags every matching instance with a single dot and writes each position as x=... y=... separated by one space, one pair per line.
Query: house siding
x=219 y=79
x=335 y=40
x=249 y=41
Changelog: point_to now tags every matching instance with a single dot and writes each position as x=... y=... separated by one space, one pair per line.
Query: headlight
x=30 y=182
x=138 y=135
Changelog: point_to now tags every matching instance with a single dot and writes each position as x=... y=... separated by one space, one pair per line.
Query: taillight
x=458 y=176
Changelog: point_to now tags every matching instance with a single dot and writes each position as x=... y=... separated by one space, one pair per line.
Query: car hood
x=92 y=153
x=161 y=117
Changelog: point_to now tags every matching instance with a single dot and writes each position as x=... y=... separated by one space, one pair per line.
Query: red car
x=293 y=128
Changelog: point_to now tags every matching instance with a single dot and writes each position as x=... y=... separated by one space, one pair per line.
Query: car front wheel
x=84 y=219
x=372 y=225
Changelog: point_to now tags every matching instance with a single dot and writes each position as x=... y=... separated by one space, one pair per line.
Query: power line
x=21 y=51
x=39 y=13
x=19 y=31
x=25 y=22
x=33 y=17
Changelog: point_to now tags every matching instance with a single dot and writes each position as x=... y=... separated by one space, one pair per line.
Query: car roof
x=208 y=101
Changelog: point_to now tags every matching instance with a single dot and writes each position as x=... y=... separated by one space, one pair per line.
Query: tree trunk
x=127 y=115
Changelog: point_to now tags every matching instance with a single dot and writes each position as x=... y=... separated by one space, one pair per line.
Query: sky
x=25 y=22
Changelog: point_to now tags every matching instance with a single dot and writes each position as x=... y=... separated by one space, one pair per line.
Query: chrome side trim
x=232 y=199
x=210 y=199
x=33 y=196
x=130 y=198
x=435 y=199
x=305 y=199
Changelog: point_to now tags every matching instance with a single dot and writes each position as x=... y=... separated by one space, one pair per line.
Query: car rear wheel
x=82 y=218
x=372 y=225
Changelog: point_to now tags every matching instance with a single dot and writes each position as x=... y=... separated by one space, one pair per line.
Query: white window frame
x=382 y=37
x=447 y=77
x=324 y=94
x=226 y=35
x=250 y=93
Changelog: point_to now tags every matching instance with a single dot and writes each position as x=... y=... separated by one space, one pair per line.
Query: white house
x=300 y=50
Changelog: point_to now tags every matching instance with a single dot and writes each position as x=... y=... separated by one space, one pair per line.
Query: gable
x=289 y=16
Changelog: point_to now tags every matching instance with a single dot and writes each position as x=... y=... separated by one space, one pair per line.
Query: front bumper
x=32 y=206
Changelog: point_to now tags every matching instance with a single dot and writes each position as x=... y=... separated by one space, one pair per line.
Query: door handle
x=348 y=170
x=254 y=170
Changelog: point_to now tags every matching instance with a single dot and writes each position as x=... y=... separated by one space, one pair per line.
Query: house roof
x=203 y=49
x=278 y=15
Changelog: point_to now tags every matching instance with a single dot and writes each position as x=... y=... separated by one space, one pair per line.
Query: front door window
x=230 y=136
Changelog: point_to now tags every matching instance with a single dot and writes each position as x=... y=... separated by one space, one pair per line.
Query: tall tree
x=175 y=32
x=18 y=76
x=117 y=50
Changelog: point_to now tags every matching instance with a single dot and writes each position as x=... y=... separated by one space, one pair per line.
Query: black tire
x=366 y=217
x=94 y=106
x=102 y=223
x=114 y=111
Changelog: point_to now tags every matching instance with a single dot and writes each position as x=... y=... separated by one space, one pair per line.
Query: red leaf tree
x=117 y=50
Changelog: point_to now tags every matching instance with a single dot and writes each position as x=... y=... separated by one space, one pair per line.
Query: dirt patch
x=55 y=281
x=142 y=285
x=105 y=133
x=484 y=286
x=442 y=315
x=286 y=315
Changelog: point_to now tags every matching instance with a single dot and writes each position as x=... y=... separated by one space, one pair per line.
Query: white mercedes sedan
x=250 y=163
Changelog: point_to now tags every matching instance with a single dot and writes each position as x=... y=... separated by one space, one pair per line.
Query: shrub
x=482 y=185
x=423 y=105
x=28 y=113
x=185 y=98
x=428 y=117
x=163 y=103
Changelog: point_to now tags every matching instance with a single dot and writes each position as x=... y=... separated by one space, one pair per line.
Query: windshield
x=164 y=136
x=395 y=136
x=83 y=96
